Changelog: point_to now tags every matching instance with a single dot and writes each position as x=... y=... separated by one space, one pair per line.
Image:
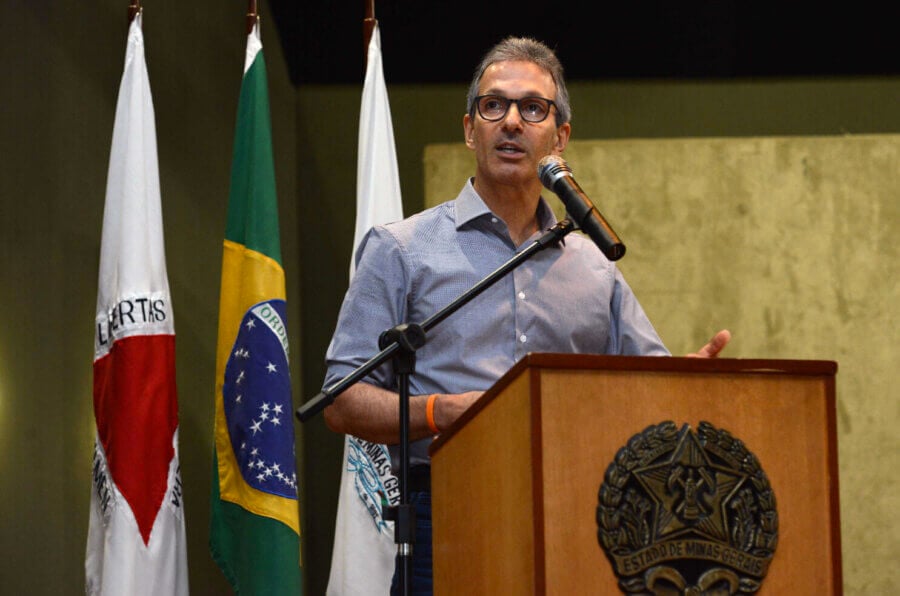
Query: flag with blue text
x=362 y=561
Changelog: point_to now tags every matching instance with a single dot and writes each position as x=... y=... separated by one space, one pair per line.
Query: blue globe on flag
x=257 y=400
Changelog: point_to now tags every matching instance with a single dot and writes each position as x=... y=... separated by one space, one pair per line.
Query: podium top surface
x=644 y=364
x=670 y=364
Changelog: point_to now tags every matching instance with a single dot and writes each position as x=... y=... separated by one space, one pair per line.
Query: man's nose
x=513 y=120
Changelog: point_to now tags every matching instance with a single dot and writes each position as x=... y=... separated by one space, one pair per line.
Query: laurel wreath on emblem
x=625 y=515
x=745 y=536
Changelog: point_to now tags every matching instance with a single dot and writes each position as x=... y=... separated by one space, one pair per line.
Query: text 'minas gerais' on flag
x=362 y=561
x=255 y=520
x=136 y=538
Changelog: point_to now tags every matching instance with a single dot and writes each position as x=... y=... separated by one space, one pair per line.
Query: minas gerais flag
x=254 y=525
x=136 y=537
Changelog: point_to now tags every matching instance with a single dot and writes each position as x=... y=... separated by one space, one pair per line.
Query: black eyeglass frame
x=550 y=104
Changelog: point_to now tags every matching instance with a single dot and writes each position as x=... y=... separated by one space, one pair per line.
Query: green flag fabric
x=254 y=524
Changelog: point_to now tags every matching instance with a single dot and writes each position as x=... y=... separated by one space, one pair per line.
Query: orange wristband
x=429 y=413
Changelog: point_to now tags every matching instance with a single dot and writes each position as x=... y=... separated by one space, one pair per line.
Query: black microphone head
x=551 y=168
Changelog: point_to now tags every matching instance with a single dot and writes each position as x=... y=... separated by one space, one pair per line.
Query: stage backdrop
x=789 y=242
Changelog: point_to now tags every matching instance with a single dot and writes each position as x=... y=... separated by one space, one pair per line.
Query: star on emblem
x=690 y=491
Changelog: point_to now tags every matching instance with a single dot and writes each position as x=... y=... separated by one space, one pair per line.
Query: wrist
x=429 y=413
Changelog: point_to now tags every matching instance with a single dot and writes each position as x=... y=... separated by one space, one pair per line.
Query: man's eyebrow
x=493 y=91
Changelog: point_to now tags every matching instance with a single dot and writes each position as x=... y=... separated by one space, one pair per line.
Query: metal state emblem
x=687 y=513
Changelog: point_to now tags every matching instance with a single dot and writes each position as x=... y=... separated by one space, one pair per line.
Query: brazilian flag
x=254 y=526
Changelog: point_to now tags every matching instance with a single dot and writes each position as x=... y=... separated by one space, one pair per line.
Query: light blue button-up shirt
x=565 y=299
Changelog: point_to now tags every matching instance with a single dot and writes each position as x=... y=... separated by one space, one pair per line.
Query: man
x=565 y=299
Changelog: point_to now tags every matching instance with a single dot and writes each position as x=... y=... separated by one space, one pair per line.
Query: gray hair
x=524 y=49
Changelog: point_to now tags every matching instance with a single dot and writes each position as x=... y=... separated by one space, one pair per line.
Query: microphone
x=556 y=175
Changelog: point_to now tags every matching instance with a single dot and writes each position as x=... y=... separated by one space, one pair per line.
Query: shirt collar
x=469 y=206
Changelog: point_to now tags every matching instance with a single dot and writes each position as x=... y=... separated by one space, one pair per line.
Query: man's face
x=507 y=151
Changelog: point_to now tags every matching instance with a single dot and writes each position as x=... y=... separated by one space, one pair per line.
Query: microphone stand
x=400 y=344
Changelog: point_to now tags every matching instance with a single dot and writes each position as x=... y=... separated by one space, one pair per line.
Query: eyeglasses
x=494 y=107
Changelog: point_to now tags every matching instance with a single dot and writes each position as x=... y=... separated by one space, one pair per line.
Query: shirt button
x=521 y=295
x=493 y=220
x=523 y=338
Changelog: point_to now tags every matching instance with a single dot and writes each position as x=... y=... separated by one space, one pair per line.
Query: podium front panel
x=515 y=486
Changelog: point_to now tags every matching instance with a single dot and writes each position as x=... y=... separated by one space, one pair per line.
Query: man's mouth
x=509 y=148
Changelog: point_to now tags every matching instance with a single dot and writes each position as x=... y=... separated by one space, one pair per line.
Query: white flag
x=362 y=561
x=136 y=540
x=377 y=177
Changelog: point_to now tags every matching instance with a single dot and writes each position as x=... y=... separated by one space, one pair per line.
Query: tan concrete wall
x=792 y=244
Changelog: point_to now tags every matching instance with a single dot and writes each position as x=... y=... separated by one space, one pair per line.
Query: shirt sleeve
x=631 y=333
x=374 y=303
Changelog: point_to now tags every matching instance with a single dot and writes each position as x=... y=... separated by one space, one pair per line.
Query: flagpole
x=134 y=9
x=252 y=16
x=368 y=26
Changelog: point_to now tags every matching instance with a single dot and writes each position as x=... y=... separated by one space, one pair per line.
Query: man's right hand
x=448 y=407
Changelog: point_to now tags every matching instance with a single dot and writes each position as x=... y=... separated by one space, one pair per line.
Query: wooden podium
x=515 y=482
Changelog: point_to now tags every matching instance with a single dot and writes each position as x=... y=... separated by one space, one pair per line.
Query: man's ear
x=562 y=137
x=469 y=131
